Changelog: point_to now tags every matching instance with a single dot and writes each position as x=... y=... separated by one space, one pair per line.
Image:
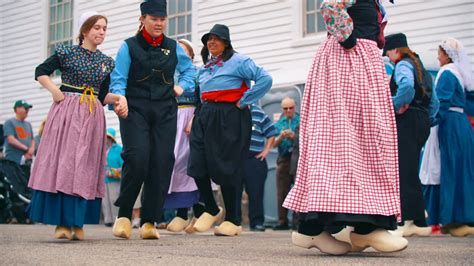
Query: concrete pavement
x=33 y=244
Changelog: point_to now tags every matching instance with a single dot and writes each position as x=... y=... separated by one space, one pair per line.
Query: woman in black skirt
x=220 y=135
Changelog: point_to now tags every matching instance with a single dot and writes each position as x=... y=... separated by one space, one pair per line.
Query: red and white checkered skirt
x=348 y=136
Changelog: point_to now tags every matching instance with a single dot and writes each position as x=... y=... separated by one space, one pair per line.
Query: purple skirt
x=180 y=181
x=183 y=191
x=71 y=155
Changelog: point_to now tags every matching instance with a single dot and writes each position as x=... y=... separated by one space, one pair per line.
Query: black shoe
x=257 y=228
x=109 y=224
x=279 y=227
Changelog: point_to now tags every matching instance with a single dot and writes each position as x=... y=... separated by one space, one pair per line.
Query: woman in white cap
x=68 y=174
x=451 y=192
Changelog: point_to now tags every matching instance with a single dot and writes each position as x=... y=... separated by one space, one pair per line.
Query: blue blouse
x=239 y=68
x=450 y=92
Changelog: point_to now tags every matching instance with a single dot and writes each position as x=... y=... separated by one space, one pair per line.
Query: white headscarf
x=458 y=55
x=85 y=16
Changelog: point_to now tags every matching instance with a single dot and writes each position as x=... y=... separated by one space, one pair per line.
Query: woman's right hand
x=58 y=96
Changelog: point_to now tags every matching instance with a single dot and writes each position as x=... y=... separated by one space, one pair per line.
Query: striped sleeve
x=267 y=126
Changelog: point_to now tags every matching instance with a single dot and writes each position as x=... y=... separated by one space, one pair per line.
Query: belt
x=456 y=109
x=85 y=90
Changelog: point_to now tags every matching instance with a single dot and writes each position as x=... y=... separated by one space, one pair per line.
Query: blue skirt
x=456 y=143
x=431 y=196
x=177 y=200
x=62 y=209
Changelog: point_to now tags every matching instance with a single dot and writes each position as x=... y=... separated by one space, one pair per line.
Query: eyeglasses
x=288 y=108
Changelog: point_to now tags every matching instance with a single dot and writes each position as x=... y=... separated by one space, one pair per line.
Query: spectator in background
x=18 y=135
x=40 y=133
x=285 y=141
x=113 y=173
x=256 y=168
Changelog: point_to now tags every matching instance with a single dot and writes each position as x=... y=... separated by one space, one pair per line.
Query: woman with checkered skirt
x=348 y=169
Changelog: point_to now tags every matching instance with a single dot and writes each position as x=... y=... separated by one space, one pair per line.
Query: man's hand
x=261 y=156
x=121 y=107
x=29 y=153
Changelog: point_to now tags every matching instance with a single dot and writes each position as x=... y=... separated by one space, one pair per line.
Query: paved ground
x=33 y=244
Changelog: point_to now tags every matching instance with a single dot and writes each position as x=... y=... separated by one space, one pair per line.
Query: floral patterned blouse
x=79 y=67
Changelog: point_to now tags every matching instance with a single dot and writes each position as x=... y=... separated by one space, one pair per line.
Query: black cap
x=222 y=31
x=155 y=8
x=393 y=41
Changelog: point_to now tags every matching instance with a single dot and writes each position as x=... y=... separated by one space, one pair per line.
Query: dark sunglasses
x=288 y=108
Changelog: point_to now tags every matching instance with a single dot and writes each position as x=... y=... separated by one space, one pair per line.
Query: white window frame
x=187 y=14
x=298 y=27
x=62 y=21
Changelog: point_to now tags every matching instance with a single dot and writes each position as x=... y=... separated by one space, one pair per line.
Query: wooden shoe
x=62 y=232
x=206 y=220
x=324 y=242
x=190 y=228
x=148 y=231
x=178 y=224
x=461 y=231
x=410 y=229
x=227 y=229
x=345 y=236
x=122 y=228
x=77 y=233
x=380 y=239
x=398 y=233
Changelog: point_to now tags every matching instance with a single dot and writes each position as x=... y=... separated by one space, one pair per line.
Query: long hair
x=226 y=55
x=140 y=27
x=41 y=127
x=87 y=26
x=407 y=52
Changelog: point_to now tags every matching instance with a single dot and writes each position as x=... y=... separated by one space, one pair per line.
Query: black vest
x=423 y=89
x=151 y=73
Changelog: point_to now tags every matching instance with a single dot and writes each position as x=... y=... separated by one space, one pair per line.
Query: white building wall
x=269 y=31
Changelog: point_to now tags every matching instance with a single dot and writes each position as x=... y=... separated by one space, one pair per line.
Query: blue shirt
x=239 y=68
x=286 y=146
x=405 y=79
x=188 y=97
x=119 y=75
x=262 y=128
x=450 y=92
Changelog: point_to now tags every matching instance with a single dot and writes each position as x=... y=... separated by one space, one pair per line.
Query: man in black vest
x=145 y=67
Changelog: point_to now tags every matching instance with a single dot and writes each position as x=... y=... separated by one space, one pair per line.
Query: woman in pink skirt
x=68 y=174
x=348 y=169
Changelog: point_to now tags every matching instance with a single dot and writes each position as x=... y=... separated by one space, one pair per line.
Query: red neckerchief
x=153 y=42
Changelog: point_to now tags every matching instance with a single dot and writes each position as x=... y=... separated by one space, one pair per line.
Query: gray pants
x=112 y=191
